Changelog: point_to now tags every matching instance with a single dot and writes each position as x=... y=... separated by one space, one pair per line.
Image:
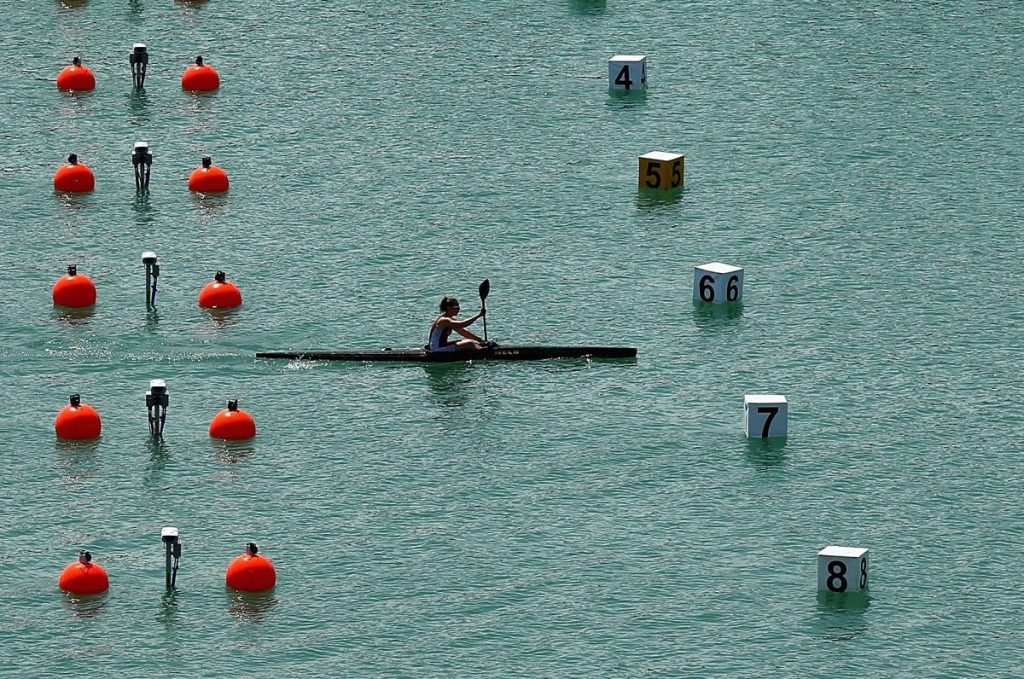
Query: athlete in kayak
x=445 y=323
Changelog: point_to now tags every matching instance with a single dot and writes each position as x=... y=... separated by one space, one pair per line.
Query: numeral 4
x=623 y=77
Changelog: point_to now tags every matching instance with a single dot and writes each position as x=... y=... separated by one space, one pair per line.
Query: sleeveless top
x=439 y=337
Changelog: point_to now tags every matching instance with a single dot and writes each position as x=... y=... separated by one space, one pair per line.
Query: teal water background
x=862 y=163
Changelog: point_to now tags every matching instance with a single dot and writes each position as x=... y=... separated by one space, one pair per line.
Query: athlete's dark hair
x=448 y=302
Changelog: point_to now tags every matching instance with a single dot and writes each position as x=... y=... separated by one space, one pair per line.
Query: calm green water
x=550 y=519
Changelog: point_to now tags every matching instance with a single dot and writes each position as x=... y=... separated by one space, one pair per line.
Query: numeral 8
x=836 y=571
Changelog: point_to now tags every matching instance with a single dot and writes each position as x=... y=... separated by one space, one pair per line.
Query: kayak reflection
x=449 y=383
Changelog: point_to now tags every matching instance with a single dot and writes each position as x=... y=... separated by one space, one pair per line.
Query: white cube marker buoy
x=765 y=415
x=843 y=569
x=627 y=72
x=717 y=283
x=661 y=170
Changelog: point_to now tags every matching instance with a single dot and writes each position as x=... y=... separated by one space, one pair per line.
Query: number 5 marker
x=660 y=170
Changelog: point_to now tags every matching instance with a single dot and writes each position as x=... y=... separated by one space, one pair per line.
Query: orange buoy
x=74 y=177
x=251 y=572
x=232 y=424
x=220 y=294
x=208 y=179
x=76 y=77
x=74 y=289
x=83 y=576
x=77 y=421
x=199 y=77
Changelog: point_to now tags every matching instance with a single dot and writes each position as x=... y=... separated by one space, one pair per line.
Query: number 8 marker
x=843 y=569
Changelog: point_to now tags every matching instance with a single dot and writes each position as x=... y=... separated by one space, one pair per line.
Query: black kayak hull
x=501 y=353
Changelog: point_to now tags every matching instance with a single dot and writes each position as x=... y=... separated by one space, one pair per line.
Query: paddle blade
x=485 y=289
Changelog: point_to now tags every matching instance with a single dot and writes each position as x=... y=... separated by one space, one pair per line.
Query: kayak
x=498 y=353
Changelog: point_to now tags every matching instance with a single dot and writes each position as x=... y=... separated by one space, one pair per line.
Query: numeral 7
x=772 y=412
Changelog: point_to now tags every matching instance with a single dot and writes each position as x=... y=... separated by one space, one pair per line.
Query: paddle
x=485 y=289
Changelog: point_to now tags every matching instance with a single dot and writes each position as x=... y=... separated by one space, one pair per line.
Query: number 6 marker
x=717 y=283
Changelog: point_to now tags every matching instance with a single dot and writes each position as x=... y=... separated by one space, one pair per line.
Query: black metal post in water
x=152 y=273
x=142 y=161
x=139 y=59
x=157 y=401
x=172 y=551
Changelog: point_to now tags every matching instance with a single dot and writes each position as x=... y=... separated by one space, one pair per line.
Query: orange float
x=83 y=576
x=208 y=178
x=220 y=293
x=77 y=421
x=74 y=289
x=199 y=77
x=251 y=572
x=74 y=177
x=76 y=77
x=232 y=424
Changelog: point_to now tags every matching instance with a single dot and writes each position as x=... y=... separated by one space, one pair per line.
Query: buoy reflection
x=249 y=608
